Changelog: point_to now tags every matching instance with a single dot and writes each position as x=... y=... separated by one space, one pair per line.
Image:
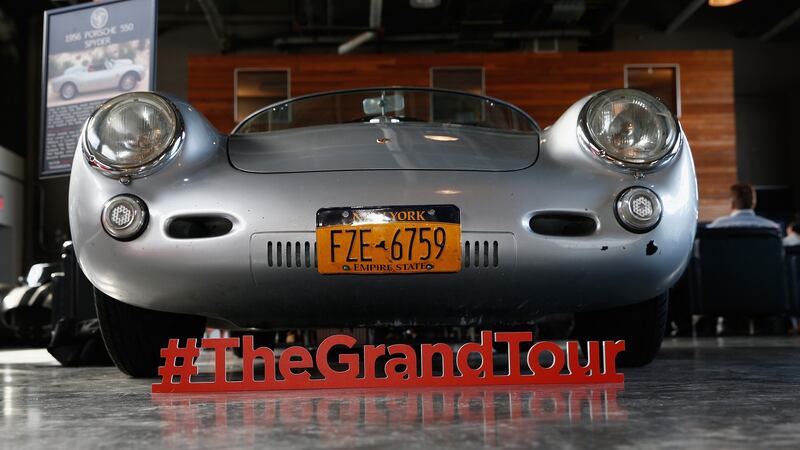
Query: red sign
x=404 y=368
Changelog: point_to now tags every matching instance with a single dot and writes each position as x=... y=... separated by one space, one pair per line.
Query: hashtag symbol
x=172 y=369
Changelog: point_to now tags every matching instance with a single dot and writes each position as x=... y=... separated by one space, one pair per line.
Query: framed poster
x=92 y=52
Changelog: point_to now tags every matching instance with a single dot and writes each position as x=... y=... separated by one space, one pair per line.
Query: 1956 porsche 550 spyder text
x=381 y=207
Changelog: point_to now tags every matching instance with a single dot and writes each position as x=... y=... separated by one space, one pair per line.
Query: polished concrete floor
x=705 y=393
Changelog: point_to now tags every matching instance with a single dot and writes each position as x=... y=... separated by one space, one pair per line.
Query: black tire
x=135 y=336
x=128 y=81
x=641 y=326
x=68 y=91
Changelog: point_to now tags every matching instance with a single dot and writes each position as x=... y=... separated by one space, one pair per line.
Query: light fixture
x=638 y=209
x=629 y=129
x=440 y=138
x=124 y=217
x=722 y=3
x=425 y=4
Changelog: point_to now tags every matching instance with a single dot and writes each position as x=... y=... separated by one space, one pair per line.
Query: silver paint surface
x=224 y=277
x=376 y=146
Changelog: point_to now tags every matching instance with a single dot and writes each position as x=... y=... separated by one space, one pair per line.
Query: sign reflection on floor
x=488 y=415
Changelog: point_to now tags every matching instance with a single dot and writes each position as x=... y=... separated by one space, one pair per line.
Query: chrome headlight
x=629 y=129
x=132 y=133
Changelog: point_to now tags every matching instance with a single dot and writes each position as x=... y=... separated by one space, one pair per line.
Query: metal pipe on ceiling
x=684 y=15
x=375 y=14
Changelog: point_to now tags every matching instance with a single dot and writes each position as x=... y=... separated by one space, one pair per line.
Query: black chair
x=793 y=273
x=740 y=272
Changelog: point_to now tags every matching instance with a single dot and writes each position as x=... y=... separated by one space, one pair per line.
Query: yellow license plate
x=389 y=240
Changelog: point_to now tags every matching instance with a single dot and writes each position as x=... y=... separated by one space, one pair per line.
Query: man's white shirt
x=743 y=218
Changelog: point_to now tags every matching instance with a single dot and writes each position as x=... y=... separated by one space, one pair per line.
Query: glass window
x=450 y=108
x=257 y=88
x=659 y=80
x=388 y=106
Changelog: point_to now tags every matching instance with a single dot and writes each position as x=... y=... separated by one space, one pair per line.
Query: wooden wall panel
x=543 y=84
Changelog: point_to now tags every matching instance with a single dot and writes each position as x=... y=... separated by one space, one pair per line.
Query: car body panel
x=226 y=277
x=368 y=146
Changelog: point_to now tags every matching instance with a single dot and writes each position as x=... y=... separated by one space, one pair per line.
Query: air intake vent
x=481 y=254
x=292 y=254
x=563 y=224
x=198 y=227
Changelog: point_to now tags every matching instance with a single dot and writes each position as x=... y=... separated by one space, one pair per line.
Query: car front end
x=225 y=232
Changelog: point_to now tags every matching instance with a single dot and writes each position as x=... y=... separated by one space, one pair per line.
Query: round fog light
x=638 y=209
x=124 y=217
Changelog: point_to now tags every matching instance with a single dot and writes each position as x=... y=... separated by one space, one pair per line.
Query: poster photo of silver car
x=98 y=73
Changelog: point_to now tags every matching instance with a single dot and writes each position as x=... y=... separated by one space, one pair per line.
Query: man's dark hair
x=794 y=225
x=743 y=196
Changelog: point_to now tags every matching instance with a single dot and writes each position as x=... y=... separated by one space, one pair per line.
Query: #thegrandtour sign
x=392 y=366
x=92 y=52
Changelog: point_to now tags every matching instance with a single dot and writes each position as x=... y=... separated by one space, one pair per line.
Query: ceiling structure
x=476 y=25
x=457 y=25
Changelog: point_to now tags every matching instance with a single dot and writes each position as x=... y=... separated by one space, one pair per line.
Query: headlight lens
x=638 y=209
x=131 y=131
x=632 y=128
x=124 y=217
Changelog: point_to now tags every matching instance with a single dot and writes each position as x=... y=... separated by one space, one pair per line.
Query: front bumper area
x=229 y=277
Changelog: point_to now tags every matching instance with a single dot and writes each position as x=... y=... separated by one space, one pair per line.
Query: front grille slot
x=291 y=254
x=481 y=254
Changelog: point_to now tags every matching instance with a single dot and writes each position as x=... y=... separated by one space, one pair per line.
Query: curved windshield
x=382 y=106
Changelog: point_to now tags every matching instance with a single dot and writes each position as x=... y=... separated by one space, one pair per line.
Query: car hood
x=367 y=146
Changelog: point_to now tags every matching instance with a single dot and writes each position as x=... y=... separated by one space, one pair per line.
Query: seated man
x=792 y=233
x=743 y=200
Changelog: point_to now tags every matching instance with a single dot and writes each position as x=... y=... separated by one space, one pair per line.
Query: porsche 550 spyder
x=120 y=74
x=381 y=207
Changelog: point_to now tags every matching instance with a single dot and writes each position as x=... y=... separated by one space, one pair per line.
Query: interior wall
x=543 y=84
x=765 y=94
x=12 y=176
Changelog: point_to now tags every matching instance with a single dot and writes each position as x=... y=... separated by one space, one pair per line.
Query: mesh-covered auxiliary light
x=638 y=209
x=124 y=217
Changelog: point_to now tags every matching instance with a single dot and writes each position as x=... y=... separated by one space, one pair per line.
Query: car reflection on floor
x=489 y=416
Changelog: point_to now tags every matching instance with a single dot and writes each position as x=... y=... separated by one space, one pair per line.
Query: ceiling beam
x=375 y=15
x=216 y=24
x=779 y=27
x=433 y=37
x=612 y=16
x=684 y=15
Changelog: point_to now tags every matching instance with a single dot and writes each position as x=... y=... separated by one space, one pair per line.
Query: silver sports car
x=120 y=74
x=381 y=207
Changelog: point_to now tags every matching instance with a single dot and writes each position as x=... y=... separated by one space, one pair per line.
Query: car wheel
x=641 y=326
x=68 y=91
x=135 y=336
x=128 y=81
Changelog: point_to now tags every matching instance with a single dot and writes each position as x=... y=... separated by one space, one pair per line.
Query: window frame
x=238 y=70
x=677 y=67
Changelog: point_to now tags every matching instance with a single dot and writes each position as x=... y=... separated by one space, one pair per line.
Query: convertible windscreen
x=386 y=106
